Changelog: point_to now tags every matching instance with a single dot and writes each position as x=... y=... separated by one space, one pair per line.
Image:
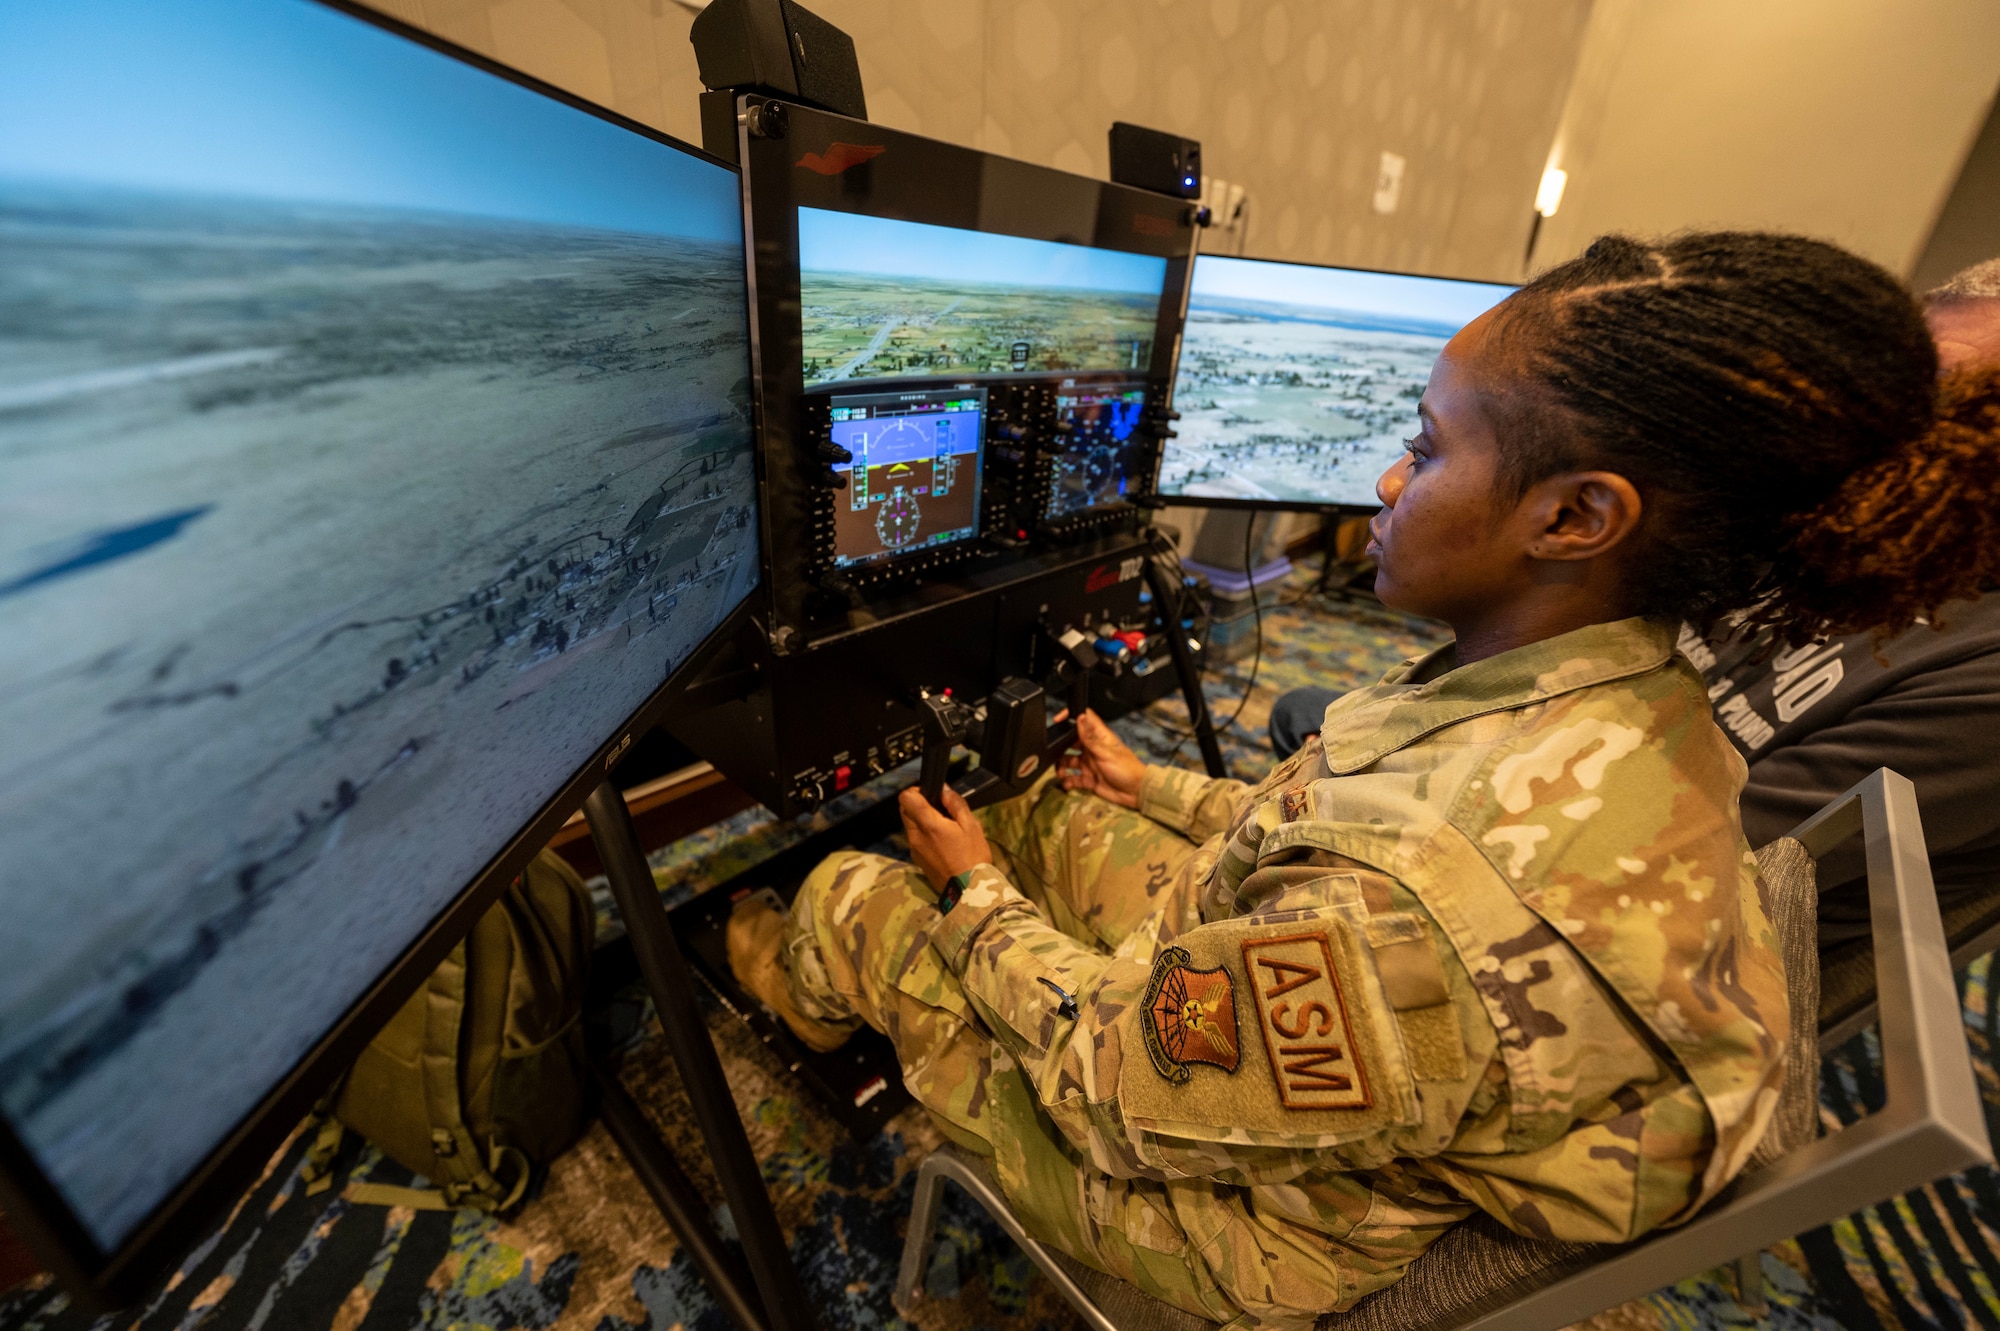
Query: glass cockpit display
x=883 y=298
x=913 y=474
x=1299 y=384
x=1100 y=455
x=374 y=439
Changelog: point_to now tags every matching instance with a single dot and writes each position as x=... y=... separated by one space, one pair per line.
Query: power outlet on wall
x=1388 y=183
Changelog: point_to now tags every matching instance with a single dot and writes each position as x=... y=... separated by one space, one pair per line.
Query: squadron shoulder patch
x=1189 y=1016
x=1336 y=1070
x=1304 y=1019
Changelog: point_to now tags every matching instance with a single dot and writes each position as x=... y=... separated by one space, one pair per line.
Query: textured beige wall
x=1295 y=99
x=1846 y=119
x=629 y=55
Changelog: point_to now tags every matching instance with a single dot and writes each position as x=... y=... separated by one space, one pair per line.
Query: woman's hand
x=942 y=847
x=1102 y=764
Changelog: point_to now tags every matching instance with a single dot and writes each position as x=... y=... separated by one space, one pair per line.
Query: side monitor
x=778 y=47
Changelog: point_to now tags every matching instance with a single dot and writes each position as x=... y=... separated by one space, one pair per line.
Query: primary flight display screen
x=1299 y=384
x=886 y=299
x=1099 y=456
x=374 y=440
x=914 y=478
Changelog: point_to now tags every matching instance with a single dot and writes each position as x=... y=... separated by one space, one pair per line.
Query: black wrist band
x=953 y=890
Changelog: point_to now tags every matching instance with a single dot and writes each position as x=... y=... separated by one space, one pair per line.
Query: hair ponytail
x=1901 y=536
x=1776 y=402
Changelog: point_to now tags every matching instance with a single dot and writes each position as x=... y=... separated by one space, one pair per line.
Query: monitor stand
x=760 y=1291
x=1166 y=593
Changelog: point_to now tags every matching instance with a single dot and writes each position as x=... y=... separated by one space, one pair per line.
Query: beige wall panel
x=631 y=56
x=466 y=22
x=923 y=67
x=410 y=11
x=1294 y=99
x=1839 y=118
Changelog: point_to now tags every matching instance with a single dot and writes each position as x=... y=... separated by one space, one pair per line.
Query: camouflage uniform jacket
x=1498 y=930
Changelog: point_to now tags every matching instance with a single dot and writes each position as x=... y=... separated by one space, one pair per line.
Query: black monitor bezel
x=1279 y=505
x=905 y=177
x=103 y=1280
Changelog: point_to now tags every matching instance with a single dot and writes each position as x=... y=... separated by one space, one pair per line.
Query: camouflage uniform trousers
x=858 y=951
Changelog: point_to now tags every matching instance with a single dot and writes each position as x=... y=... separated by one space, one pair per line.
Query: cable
x=1257 y=610
x=1256 y=660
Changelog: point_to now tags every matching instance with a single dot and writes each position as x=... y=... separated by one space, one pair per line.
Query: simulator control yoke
x=1009 y=728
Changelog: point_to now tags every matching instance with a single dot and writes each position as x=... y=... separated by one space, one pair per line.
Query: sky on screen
x=1431 y=299
x=834 y=242
x=288 y=100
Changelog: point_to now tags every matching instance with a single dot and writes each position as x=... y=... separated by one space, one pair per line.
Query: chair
x=1481 y=1275
x=1847 y=969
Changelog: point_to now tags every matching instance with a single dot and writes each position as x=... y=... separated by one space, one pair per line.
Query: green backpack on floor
x=481 y=1078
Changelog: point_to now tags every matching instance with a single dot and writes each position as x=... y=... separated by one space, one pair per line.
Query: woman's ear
x=1583 y=515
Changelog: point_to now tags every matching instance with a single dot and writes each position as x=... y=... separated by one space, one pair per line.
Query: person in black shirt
x=1926 y=703
x=1813 y=721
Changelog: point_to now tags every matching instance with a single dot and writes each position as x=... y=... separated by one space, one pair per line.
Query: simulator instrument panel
x=960 y=414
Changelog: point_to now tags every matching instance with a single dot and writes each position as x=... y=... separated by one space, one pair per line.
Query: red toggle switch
x=842 y=775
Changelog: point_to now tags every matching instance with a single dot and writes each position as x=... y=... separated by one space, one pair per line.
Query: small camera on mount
x=1154 y=160
x=782 y=49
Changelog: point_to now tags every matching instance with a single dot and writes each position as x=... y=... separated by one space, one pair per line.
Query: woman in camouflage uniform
x=1494 y=940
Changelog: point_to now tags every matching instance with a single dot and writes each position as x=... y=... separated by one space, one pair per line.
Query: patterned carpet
x=589 y=1253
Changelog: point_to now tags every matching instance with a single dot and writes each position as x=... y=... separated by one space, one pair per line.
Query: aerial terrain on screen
x=885 y=299
x=374 y=439
x=1300 y=384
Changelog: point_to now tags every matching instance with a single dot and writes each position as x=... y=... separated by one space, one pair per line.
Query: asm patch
x=1189 y=1017
x=1304 y=1019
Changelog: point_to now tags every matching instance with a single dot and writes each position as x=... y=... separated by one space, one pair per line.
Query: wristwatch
x=953 y=890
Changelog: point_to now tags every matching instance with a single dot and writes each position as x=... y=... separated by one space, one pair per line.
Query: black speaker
x=781 y=48
x=1150 y=159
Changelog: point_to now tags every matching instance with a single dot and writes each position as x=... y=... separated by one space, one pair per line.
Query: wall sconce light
x=1549 y=196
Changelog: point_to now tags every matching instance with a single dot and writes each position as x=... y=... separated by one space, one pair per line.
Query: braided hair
x=1776 y=402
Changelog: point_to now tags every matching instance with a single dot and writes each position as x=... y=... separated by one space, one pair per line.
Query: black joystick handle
x=1077 y=670
x=944 y=726
x=1079 y=694
x=937 y=761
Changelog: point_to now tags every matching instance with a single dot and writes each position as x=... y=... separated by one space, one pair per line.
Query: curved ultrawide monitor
x=374 y=442
x=1299 y=384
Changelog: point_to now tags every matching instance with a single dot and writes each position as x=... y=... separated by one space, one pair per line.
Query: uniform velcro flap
x=1269 y=1032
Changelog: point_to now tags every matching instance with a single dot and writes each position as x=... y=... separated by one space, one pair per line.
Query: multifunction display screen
x=914 y=478
x=888 y=299
x=1098 y=457
x=1300 y=383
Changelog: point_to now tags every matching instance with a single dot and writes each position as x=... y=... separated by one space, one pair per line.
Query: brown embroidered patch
x=1189 y=1016
x=1294 y=804
x=1314 y=1058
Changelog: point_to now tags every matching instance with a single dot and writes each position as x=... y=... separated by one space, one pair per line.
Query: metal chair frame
x=1931 y=1125
x=949 y=1164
